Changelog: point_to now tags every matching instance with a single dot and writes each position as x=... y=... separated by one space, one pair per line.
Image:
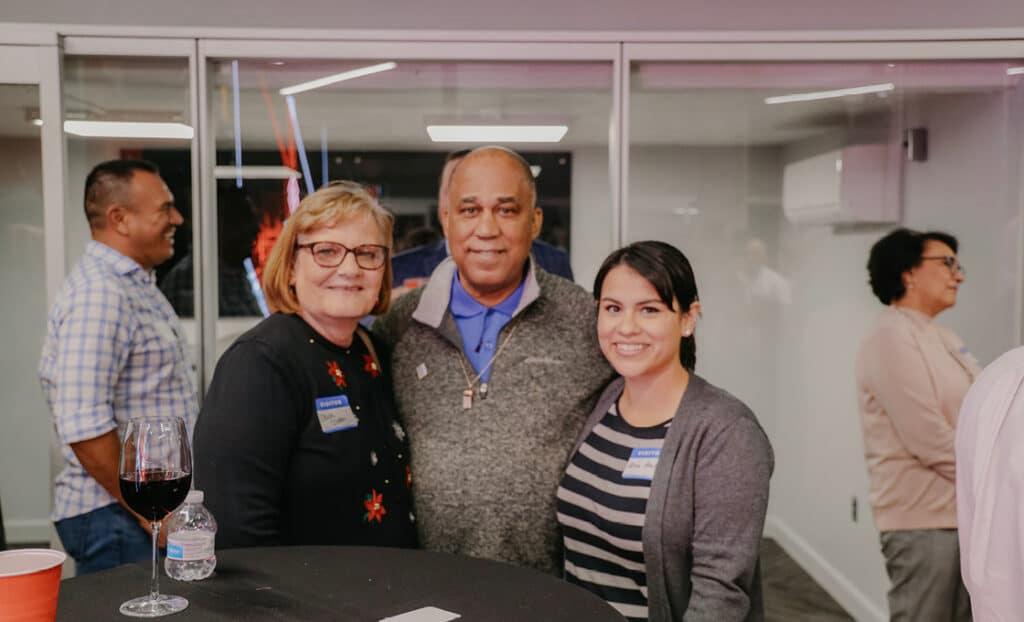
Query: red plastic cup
x=29 y=582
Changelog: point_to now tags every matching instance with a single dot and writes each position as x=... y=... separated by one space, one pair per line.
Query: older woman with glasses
x=297 y=441
x=912 y=375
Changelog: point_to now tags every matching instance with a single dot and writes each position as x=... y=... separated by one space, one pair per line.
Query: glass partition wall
x=134 y=107
x=775 y=178
x=282 y=126
x=29 y=252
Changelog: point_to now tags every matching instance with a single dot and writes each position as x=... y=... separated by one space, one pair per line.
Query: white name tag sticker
x=423 y=614
x=641 y=464
x=335 y=414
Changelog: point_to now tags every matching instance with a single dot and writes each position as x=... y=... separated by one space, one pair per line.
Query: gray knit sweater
x=705 y=514
x=484 y=479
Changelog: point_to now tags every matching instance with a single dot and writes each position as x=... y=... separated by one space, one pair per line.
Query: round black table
x=341 y=583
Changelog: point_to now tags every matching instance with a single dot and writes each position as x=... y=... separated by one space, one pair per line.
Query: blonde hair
x=334 y=203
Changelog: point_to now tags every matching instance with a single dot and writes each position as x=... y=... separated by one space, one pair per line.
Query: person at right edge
x=663 y=503
x=912 y=375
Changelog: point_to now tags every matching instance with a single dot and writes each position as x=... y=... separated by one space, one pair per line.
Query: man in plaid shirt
x=114 y=350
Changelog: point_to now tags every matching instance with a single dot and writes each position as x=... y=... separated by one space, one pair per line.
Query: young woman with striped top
x=663 y=502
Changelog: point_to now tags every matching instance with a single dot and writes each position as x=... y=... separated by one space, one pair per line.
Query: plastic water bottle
x=191 y=532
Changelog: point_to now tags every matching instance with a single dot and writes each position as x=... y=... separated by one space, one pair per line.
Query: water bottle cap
x=194 y=496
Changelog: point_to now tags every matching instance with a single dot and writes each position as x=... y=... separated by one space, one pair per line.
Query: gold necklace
x=467 y=393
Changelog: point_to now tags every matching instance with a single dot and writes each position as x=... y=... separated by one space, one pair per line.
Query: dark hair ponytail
x=668 y=270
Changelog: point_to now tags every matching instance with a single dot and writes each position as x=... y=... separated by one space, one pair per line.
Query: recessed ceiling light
x=497 y=133
x=37 y=122
x=804 y=97
x=128 y=129
x=338 y=77
x=277 y=63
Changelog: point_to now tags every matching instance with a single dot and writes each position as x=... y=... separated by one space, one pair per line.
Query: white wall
x=591 y=213
x=610 y=15
x=817 y=438
x=969 y=187
x=24 y=418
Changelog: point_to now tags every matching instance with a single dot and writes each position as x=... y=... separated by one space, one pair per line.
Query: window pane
x=373 y=130
x=775 y=179
x=24 y=463
x=125 y=91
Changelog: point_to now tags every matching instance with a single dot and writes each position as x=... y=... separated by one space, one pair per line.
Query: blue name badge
x=642 y=462
x=335 y=414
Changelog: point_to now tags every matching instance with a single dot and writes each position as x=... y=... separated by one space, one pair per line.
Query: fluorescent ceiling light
x=128 y=129
x=804 y=97
x=1015 y=71
x=338 y=77
x=255 y=172
x=497 y=133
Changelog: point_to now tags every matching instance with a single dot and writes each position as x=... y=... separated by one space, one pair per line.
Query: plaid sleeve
x=92 y=349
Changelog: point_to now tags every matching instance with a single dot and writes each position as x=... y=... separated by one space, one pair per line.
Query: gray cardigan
x=705 y=514
x=484 y=479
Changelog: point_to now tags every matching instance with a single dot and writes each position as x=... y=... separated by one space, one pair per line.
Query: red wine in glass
x=155 y=473
x=155 y=494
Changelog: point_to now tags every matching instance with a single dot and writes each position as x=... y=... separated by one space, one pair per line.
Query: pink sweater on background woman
x=912 y=375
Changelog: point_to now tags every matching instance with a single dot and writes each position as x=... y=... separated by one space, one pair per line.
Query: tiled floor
x=790 y=594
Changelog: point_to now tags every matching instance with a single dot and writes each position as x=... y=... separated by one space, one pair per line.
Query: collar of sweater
x=436 y=296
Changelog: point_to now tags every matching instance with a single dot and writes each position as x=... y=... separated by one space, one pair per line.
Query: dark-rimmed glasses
x=951 y=262
x=331 y=254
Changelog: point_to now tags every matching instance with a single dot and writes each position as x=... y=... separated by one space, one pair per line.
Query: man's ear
x=442 y=217
x=538 y=221
x=116 y=218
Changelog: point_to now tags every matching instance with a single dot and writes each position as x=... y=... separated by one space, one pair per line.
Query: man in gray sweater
x=496 y=366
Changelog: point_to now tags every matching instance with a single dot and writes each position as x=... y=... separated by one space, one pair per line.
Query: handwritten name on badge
x=642 y=462
x=335 y=414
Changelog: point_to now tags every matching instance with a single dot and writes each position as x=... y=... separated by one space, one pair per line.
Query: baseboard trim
x=22 y=530
x=856 y=603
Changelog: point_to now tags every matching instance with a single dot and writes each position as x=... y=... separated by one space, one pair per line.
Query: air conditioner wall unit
x=855 y=184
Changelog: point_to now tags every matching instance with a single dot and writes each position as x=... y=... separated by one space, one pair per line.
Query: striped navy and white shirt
x=114 y=350
x=601 y=511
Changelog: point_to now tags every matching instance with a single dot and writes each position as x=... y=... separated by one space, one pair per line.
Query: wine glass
x=155 y=475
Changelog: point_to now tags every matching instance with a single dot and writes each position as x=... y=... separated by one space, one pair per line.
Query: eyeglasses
x=331 y=254
x=951 y=263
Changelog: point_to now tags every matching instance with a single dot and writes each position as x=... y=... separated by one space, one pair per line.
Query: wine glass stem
x=154 y=586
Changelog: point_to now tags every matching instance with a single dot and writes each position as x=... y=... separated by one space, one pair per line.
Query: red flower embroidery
x=371 y=366
x=336 y=374
x=408 y=476
x=374 y=505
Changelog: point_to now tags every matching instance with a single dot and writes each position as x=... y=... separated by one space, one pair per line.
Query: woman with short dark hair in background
x=663 y=502
x=298 y=440
x=912 y=375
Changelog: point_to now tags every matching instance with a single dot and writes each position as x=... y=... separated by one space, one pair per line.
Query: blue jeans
x=104 y=538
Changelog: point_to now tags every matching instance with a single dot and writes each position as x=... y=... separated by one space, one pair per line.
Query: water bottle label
x=190 y=546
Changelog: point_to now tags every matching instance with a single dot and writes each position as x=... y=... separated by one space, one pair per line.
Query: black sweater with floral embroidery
x=283 y=460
